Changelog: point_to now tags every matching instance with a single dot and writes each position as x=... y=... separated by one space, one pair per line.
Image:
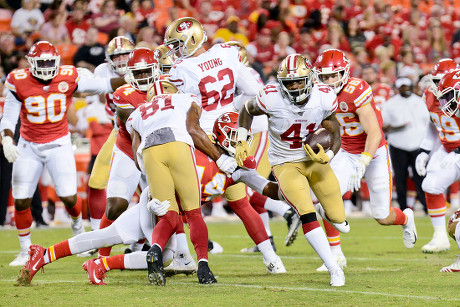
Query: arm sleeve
x=94 y=85
x=11 y=112
x=251 y=178
x=431 y=137
x=247 y=82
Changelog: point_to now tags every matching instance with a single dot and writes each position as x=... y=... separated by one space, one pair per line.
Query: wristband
x=330 y=154
x=242 y=134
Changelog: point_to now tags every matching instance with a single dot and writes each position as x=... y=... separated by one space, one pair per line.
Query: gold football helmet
x=160 y=87
x=119 y=45
x=165 y=62
x=241 y=50
x=293 y=69
x=184 y=37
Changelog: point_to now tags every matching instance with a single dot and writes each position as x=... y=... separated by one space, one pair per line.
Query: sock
x=251 y=220
x=277 y=206
x=75 y=210
x=267 y=251
x=436 y=205
x=57 y=251
x=23 y=220
x=97 y=201
x=401 y=218
x=165 y=227
x=105 y=251
x=265 y=219
x=181 y=243
x=95 y=223
x=257 y=201
x=333 y=235
x=198 y=233
x=114 y=262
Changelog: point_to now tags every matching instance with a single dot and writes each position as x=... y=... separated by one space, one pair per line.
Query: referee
x=405 y=120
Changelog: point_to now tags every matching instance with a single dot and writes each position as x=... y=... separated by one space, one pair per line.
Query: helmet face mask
x=225 y=132
x=142 y=69
x=295 y=77
x=43 y=60
x=117 y=53
x=184 y=37
x=330 y=62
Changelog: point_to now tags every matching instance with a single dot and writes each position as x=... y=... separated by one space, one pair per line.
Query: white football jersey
x=162 y=120
x=213 y=77
x=288 y=124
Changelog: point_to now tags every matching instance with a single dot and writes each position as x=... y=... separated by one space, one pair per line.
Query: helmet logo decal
x=225 y=118
x=185 y=25
x=157 y=54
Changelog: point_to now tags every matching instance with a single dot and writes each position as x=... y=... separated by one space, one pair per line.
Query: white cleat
x=436 y=245
x=214 y=247
x=181 y=264
x=409 y=230
x=342 y=227
x=453 y=268
x=77 y=226
x=337 y=278
x=341 y=261
x=21 y=259
x=276 y=266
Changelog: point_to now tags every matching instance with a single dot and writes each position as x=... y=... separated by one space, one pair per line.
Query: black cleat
x=293 y=223
x=204 y=274
x=155 y=266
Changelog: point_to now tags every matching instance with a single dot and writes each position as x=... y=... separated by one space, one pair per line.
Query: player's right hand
x=10 y=150
x=226 y=164
x=157 y=207
x=242 y=152
x=420 y=163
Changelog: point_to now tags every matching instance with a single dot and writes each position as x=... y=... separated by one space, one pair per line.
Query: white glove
x=10 y=150
x=420 y=163
x=360 y=168
x=157 y=207
x=449 y=161
x=227 y=164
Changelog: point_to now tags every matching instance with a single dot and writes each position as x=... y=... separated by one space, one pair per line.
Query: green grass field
x=380 y=272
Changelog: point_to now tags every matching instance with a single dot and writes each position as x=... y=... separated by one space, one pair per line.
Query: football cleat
x=214 y=247
x=276 y=266
x=293 y=222
x=409 y=230
x=439 y=243
x=96 y=271
x=181 y=264
x=337 y=278
x=342 y=227
x=205 y=276
x=255 y=249
x=77 y=226
x=453 y=268
x=341 y=261
x=35 y=263
x=155 y=266
x=21 y=259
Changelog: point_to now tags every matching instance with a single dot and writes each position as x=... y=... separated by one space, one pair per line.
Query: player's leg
x=436 y=182
x=293 y=183
x=400 y=163
x=97 y=197
x=454 y=231
x=26 y=173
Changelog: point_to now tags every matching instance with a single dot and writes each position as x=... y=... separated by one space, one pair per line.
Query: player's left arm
x=332 y=124
x=124 y=113
x=370 y=124
x=247 y=82
x=99 y=85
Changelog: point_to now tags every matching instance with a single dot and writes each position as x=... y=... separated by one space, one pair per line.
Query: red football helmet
x=142 y=68
x=225 y=131
x=449 y=90
x=43 y=60
x=439 y=70
x=333 y=61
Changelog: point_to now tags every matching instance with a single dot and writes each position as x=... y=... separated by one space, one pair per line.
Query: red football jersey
x=127 y=97
x=213 y=181
x=44 y=105
x=355 y=94
x=382 y=92
x=448 y=127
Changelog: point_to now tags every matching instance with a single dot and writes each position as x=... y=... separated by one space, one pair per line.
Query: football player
x=124 y=177
x=296 y=107
x=440 y=171
x=364 y=150
x=165 y=61
x=453 y=227
x=116 y=54
x=41 y=95
x=258 y=149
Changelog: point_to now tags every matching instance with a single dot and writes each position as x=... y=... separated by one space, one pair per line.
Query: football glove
x=10 y=150
x=449 y=161
x=157 y=207
x=320 y=157
x=354 y=183
x=420 y=163
x=242 y=152
x=226 y=164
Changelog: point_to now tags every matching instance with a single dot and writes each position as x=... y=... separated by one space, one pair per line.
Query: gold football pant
x=295 y=180
x=171 y=169
x=258 y=150
x=101 y=168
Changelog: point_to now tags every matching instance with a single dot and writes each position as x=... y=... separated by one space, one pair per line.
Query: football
x=321 y=136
